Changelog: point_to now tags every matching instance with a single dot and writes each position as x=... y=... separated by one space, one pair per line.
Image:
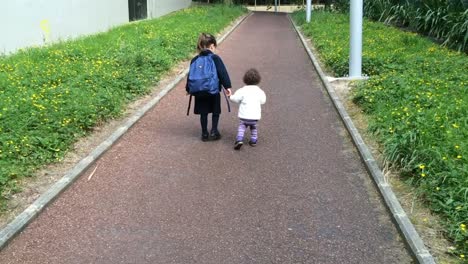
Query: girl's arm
x=223 y=75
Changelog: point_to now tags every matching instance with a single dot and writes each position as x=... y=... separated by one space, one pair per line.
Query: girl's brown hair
x=252 y=77
x=205 y=40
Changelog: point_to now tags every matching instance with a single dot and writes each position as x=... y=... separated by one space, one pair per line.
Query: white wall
x=27 y=23
x=157 y=8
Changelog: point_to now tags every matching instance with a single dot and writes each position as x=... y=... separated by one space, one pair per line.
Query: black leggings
x=204 y=123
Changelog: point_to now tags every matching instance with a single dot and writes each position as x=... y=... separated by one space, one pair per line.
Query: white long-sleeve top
x=250 y=98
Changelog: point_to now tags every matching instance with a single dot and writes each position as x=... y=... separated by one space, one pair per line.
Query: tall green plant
x=443 y=20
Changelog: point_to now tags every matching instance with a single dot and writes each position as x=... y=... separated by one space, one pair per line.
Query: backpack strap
x=189 y=103
x=227 y=101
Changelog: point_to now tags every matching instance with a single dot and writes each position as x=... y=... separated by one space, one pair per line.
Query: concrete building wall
x=26 y=23
x=157 y=8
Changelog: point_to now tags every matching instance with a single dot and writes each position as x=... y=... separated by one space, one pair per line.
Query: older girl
x=207 y=104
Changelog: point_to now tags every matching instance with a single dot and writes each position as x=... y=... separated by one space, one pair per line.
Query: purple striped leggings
x=243 y=124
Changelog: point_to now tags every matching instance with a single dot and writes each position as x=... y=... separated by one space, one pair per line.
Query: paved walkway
x=160 y=195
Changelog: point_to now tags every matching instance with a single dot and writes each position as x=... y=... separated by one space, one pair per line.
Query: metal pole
x=255 y=5
x=355 y=56
x=309 y=10
x=276 y=6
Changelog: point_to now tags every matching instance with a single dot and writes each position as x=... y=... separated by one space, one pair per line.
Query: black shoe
x=215 y=135
x=238 y=145
x=205 y=137
x=252 y=143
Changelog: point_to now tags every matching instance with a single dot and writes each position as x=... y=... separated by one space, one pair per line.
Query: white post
x=308 y=10
x=355 y=56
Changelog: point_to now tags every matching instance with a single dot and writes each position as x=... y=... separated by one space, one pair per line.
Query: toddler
x=250 y=97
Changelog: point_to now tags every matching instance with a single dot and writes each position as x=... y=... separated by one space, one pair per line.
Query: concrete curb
x=22 y=220
x=403 y=222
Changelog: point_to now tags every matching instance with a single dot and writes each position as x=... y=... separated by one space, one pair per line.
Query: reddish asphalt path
x=160 y=195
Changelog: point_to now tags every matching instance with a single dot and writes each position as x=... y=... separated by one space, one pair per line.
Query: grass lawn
x=51 y=96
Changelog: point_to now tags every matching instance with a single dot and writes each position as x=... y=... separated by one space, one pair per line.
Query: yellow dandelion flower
x=422 y=166
x=459 y=157
x=423 y=175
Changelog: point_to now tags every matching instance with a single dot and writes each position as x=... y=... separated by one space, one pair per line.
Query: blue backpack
x=203 y=77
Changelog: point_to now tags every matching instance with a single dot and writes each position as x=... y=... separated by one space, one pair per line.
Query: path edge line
x=30 y=213
x=418 y=249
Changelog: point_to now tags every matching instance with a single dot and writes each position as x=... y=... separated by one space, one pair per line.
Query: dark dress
x=211 y=104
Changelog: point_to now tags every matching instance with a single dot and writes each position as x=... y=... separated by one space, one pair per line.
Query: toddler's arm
x=262 y=97
x=236 y=97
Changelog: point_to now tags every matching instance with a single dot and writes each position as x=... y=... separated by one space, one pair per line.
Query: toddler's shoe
x=252 y=143
x=205 y=137
x=238 y=145
x=215 y=135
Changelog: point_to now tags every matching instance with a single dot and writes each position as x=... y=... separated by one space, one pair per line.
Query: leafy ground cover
x=417 y=104
x=53 y=95
x=444 y=20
